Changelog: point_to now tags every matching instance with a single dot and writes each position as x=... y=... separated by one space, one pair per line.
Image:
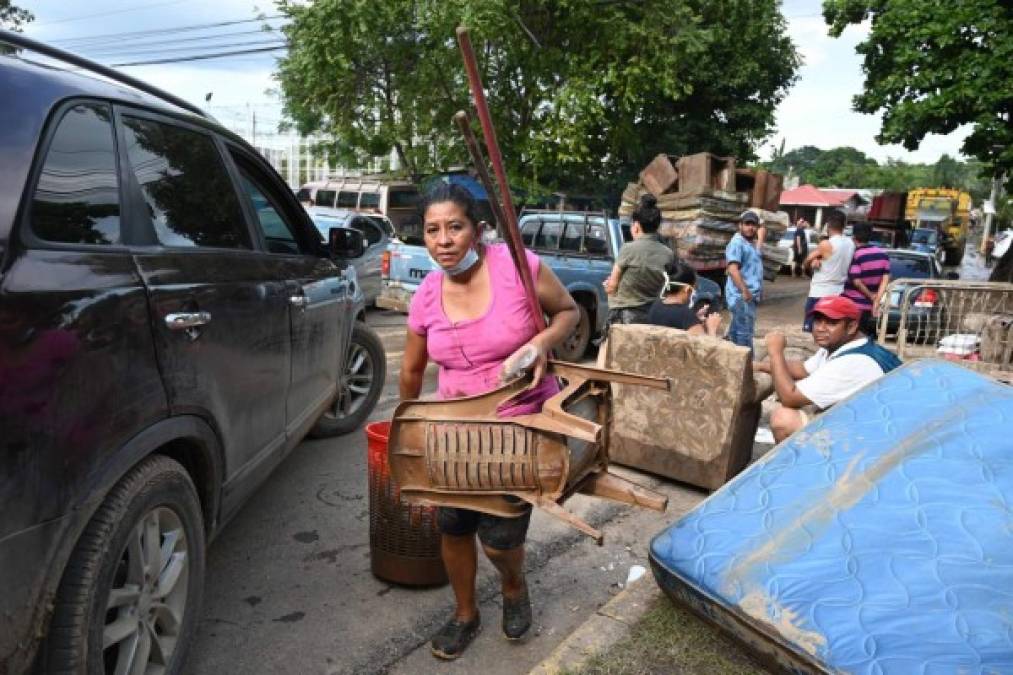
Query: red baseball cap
x=836 y=307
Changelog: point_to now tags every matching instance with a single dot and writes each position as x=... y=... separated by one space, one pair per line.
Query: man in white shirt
x=846 y=361
x=830 y=262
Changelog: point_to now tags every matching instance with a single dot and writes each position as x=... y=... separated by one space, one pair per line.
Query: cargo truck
x=946 y=210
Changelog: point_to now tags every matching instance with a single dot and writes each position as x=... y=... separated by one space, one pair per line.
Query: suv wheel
x=359 y=386
x=129 y=599
x=574 y=347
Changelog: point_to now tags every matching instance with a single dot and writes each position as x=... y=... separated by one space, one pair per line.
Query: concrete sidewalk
x=609 y=625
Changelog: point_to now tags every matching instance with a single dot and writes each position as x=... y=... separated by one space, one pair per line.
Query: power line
x=163 y=31
x=201 y=57
x=169 y=42
x=82 y=17
x=110 y=53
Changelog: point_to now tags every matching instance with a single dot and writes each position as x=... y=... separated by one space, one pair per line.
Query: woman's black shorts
x=495 y=532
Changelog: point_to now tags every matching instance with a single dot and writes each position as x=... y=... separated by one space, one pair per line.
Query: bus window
x=325 y=198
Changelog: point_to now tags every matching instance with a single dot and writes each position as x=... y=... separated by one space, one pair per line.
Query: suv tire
x=113 y=593
x=574 y=347
x=359 y=387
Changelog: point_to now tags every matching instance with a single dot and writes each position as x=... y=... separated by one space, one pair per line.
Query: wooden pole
x=510 y=229
x=463 y=122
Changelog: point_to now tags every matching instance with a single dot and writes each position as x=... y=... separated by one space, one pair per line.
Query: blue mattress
x=879 y=539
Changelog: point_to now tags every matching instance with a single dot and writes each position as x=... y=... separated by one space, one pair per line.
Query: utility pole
x=989 y=217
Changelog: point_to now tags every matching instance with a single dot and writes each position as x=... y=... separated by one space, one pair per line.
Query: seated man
x=846 y=361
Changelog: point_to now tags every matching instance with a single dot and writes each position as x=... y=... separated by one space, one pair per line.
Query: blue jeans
x=807 y=321
x=740 y=331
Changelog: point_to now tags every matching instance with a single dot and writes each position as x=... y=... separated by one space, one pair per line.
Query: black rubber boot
x=517 y=615
x=455 y=636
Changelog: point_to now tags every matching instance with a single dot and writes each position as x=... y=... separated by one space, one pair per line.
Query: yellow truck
x=944 y=209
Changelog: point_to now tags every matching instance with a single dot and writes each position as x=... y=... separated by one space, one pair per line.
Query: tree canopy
x=934 y=65
x=583 y=93
x=852 y=168
x=13 y=17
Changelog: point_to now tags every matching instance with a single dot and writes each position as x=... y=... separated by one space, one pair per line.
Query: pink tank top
x=470 y=353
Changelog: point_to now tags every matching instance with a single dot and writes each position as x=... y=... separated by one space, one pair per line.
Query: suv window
x=571 y=237
x=411 y=234
x=595 y=242
x=529 y=230
x=347 y=200
x=369 y=200
x=277 y=233
x=190 y=198
x=325 y=198
x=402 y=199
x=370 y=232
x=548 y=237
x=77 y=198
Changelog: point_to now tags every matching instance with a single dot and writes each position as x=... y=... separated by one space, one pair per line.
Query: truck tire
x=133 y=585
x=359 y=386
x=574 y=347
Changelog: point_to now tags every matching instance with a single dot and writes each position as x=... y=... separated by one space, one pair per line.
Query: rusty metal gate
x=966 y=321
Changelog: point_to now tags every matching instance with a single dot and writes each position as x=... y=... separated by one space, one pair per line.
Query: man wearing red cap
x=846 y=361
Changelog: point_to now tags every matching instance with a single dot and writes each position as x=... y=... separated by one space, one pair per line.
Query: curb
x=607 y=626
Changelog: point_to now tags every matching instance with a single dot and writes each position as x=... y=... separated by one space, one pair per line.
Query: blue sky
x=817 y=111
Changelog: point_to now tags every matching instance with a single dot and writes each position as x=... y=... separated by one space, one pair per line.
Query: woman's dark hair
x=679 y=273
x=450 y=192
x=647 y=214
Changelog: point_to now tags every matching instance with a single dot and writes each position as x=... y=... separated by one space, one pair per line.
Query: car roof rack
x=18 y=40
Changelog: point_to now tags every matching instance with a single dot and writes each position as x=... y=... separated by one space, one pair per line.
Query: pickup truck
x=580 y=247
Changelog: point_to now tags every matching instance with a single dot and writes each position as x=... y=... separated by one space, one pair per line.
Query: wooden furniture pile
x=701 y=198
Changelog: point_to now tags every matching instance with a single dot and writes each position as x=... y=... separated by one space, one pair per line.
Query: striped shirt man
x=871 y=266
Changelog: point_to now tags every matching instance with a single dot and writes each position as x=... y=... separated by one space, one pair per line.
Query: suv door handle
x=299 y=301
x=186 y=320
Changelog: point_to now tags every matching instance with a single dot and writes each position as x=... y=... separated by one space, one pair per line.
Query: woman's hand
x=530 y=357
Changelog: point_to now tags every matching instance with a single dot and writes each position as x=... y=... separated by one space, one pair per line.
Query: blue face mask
x=469 y=260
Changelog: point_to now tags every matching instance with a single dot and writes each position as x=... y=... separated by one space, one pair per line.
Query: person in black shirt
x=800 y=247
x=672 y=309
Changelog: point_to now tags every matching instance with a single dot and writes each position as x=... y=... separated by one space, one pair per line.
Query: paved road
x=289 y=588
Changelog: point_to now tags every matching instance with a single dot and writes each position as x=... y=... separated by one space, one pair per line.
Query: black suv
x=171 y=325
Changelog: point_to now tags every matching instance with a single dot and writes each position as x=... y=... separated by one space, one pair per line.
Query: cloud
x=818 y=108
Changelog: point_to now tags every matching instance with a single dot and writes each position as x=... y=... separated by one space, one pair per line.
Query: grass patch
x=670 y=639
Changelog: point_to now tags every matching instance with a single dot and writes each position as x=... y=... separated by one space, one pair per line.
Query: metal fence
x=966 y=321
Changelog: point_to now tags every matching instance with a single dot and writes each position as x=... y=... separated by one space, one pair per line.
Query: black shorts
x=495 y=532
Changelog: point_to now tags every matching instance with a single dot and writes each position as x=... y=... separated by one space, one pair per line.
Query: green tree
x=934 y=65
x=13 y=17
x=842 y=166
x=583 y=93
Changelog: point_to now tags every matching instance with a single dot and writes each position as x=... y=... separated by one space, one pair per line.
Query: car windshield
x=909 y=266
x=923 y=237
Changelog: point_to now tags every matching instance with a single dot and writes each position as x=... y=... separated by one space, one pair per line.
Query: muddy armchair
x=701 y=430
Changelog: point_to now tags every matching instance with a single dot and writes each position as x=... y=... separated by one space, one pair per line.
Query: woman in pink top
x=469 y=317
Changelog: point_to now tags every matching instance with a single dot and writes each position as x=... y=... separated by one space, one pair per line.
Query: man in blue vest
x=846 y=361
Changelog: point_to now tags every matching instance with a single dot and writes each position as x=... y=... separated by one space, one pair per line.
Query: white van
x=398 y=200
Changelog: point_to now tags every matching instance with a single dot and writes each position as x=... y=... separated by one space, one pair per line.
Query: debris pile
x=701 y=197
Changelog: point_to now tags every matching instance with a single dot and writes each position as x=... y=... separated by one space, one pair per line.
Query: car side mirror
x=344 y=242
x=952 y=276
